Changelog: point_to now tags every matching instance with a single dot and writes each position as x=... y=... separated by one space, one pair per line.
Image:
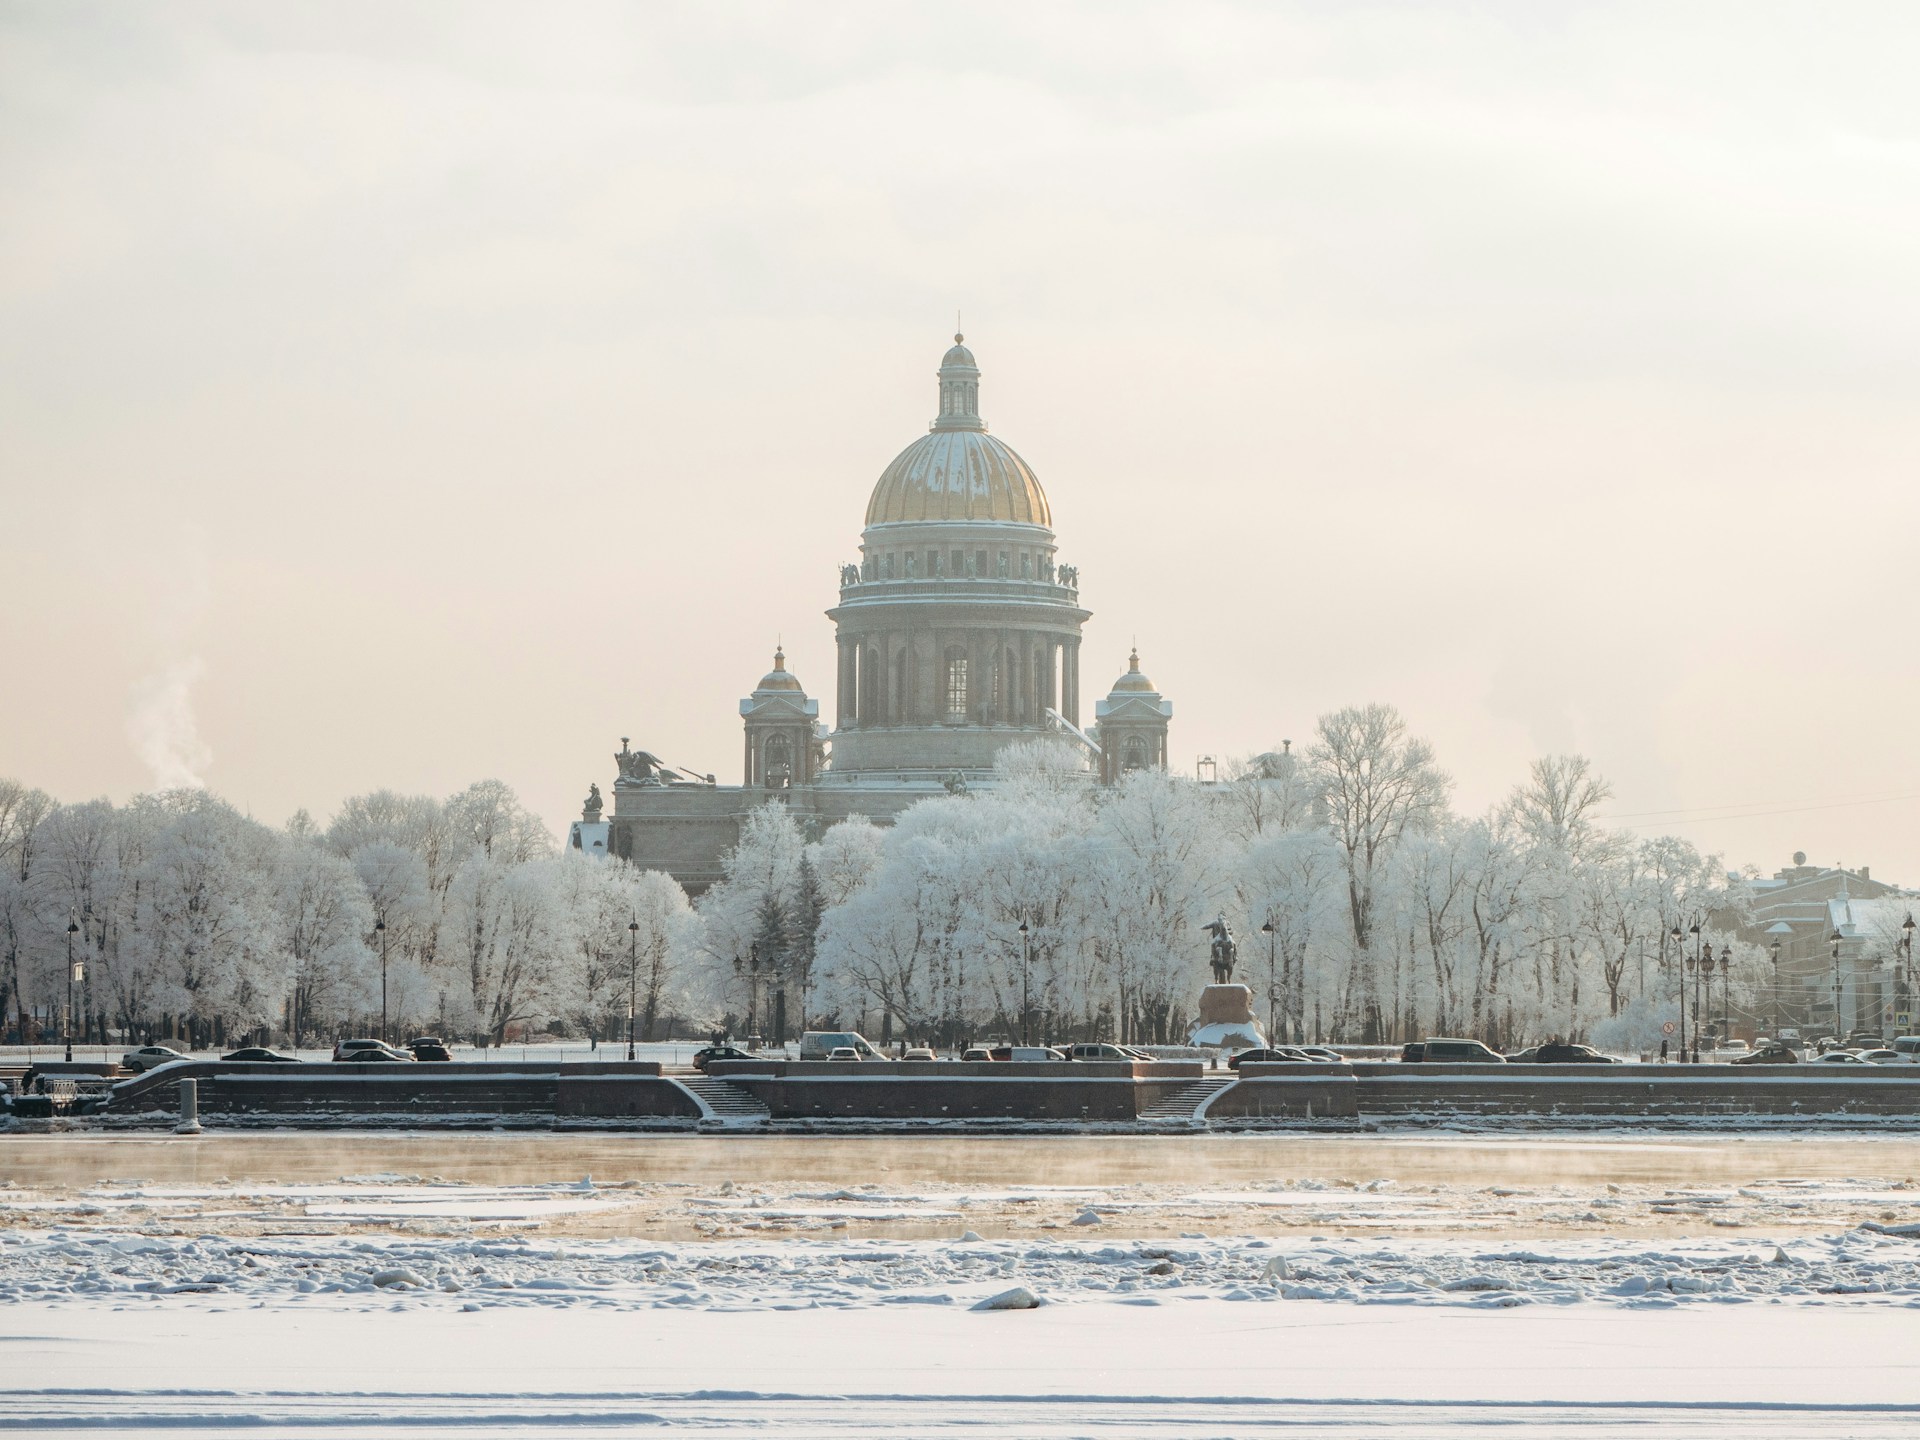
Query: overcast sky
x=399 y=395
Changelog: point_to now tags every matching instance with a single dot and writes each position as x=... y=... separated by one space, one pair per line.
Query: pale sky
x=399 y=395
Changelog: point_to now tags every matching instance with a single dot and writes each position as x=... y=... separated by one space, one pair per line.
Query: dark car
x=1772 y=1053
x=1413 y=1054
x=1565 y=1052
x=1270 y=1055
x=705 y=1057
x=430 y=1048
x=371 y=1055
x=260 y=1055
x=1454 y=1051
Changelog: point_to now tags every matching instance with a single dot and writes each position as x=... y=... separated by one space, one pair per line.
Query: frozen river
x=519 y=1284
x=1652 y=1158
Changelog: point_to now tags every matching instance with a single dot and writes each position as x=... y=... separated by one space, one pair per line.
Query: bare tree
x=1378 y=785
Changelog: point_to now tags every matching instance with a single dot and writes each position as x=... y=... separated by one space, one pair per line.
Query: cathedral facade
x=959 y=634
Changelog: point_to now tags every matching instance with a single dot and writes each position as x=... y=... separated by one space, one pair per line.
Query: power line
x=1702 y=815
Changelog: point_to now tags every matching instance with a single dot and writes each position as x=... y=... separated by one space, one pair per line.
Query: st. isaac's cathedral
x=959 y=634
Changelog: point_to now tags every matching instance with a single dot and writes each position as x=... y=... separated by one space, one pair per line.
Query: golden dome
x=959 y=475
x=778 y=678
x=958 y=471
x=1133 y=682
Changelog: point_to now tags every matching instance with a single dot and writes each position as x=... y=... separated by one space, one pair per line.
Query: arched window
x=778 y=762
x=956 y=683
x=1134 y=754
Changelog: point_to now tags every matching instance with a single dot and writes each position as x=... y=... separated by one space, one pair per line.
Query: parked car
x=710 y=1053
x=1882 y=1056
x=1771 y=1053
x=1412 y=1054
x=976 y=1053
x=1839 y=1057
x=382 y=1055
x=344 y=1048
x=919 y=1052
x=1459 y=1052
x=1907 y=1047
x=1568 y=1053
x=1024 y=1053
x=430 y=1048
x=820 y=1045
x=1528 y=1056
x=1270 y=1055
x=1098 y=1052
x=1322 y=1053
x=260 y=1055
x=148 y=1056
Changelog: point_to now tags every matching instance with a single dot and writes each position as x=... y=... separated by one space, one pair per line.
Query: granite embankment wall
x=585 y=1090
x=531 y=1093
x=1088 y=1090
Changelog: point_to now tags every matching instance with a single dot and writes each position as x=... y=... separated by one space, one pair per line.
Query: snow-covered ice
x=1752 y=1301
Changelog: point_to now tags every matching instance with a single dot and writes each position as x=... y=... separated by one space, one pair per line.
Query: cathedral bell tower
x=780 y=722
x=1132 y=725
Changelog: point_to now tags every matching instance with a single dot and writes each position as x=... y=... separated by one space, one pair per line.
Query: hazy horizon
x=397 y=396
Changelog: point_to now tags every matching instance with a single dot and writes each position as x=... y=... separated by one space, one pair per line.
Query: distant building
x=1802 y=908
x=959 y=634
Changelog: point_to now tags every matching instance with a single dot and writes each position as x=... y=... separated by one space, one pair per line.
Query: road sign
x=1667 y=1029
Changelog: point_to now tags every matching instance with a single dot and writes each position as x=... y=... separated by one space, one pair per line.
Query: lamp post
x=1726 y=993
x=1680 y=969
x=1698 y=1011
x=1026 y=980
x=1833 y=941
x=753 y=990
x=1776 y=990
x=633 y=977
x=1273 y=986
x=73 y=928
x=1903 y=992
x=380 y=929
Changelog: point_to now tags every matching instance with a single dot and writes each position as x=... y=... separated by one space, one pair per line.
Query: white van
x=820 y=1045
x=1907 y=1047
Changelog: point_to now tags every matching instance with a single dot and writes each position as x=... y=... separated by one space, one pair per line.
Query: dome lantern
x=959 y=390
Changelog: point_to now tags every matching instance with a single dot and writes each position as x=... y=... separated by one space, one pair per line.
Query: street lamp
x=73 y=928
x=1726 y=993
x=1694 y=930
x=1776 y=989
x=380 y=929
x=1273 y=989
x=633 y=977
x=753 y=990
x=1904 y=990
x=1834 y=941
x=1680 y=969
x=1026 y=980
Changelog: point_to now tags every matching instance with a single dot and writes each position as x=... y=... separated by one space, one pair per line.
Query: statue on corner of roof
x=590 y=812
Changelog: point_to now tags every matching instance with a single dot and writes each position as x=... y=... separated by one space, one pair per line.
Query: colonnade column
x=1071 y=682
x=849 y=701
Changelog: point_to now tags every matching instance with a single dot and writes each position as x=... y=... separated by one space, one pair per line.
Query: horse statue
x=1224 y=951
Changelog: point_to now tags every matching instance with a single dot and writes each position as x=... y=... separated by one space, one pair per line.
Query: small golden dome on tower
x=1133 y=682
